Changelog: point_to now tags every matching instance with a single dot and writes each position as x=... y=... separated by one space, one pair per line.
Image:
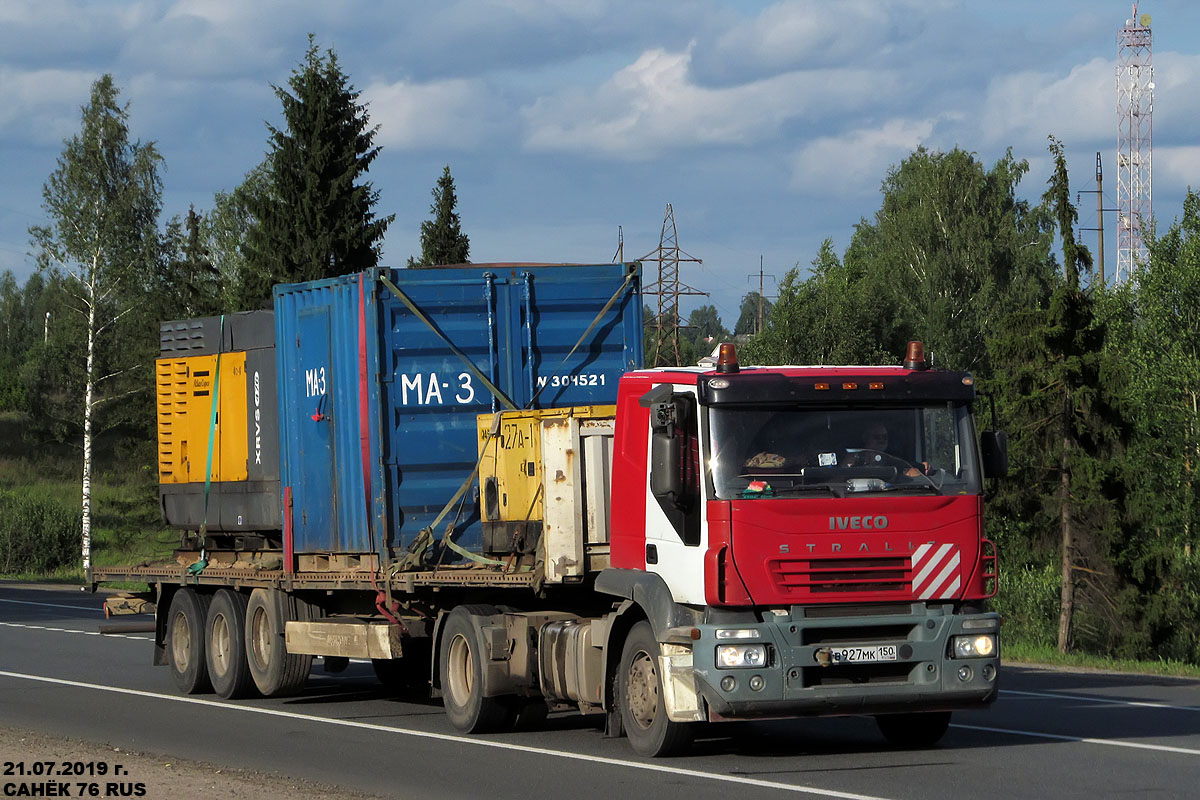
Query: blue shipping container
x=379 y=393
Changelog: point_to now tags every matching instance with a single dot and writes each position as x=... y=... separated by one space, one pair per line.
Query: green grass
x=126 y=524
x=1040 y=654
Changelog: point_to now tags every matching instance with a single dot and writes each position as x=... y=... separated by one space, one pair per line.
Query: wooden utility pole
x=1100 y=218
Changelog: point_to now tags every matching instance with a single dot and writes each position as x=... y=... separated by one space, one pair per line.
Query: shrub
x=1028 y=600
x=39 y=532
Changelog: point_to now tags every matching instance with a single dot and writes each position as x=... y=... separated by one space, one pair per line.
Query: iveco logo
x=857 y=523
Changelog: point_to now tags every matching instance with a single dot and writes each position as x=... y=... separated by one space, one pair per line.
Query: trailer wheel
x=225 y=645
x=922 y=729
x=461 y=663
x=639 y=689
x=276 y=672
x=185 y=641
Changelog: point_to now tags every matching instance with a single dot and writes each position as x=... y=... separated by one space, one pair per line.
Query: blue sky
x=768 y=126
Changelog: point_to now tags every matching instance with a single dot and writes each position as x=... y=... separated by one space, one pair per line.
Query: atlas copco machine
x=427 y=469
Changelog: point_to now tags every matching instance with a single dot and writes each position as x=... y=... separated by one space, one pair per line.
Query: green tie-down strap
x=198 y=567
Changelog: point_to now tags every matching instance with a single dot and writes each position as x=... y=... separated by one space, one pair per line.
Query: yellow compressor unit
x=544 y=486
x=230 y=363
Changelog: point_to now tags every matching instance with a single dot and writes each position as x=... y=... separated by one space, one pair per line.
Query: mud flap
x=680 y=698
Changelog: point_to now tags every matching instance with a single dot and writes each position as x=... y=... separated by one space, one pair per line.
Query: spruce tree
x=1060 y=391
x=442 y=239
x=316 y=218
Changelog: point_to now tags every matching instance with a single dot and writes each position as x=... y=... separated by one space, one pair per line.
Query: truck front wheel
x=185 y=641
x=461 y=662
x=225 y=645
x=923 y=729
x=639 y=689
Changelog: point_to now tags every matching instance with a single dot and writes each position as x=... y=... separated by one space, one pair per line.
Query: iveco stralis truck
x=720 y=543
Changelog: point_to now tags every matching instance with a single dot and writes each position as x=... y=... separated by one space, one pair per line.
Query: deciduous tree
x=103 y=201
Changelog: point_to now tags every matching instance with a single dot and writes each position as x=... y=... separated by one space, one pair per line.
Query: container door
x=314 y=493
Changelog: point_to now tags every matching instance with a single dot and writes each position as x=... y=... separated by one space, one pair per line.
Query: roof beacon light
x=727 y=358
x=916 y=356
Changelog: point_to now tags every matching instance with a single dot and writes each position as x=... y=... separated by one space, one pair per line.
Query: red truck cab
x=817 y=533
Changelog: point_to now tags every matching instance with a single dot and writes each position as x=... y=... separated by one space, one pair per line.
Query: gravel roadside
x=143 y=774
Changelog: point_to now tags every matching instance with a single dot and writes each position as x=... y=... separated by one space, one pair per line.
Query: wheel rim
x=220 y=644
x=458 y=671
x=642 y=689
x=181 y=642
x=260 y=638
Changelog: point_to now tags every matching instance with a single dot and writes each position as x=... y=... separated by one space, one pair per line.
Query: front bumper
x=794 y=682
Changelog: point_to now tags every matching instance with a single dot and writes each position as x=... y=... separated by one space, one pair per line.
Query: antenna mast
x=1135 y=110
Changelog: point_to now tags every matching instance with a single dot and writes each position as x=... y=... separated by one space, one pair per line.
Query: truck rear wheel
x=185 y=641
x=639 y=690
x=225 y=645
x=275 y=671
x=924 y=729
x=461 y=663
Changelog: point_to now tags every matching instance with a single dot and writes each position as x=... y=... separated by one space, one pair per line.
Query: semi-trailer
x=463 y=475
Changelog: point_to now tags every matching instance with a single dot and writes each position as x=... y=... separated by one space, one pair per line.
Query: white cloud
x=1023 y=108
x=855 y=163
x=794 y=33
x=1175 y=169
x=456 y=113
x=42 y=105
x=654 y=105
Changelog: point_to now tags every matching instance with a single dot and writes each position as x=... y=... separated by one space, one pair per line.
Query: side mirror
x=993 y=446
x=666 y=480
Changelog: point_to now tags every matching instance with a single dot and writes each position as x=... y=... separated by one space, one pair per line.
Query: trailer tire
x=225 y=645
x=461 y=667
x=639 y=696
x=185 y=641
x=275 y=671
x=921 y=729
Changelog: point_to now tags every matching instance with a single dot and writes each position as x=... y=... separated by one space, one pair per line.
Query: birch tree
x=102 y=202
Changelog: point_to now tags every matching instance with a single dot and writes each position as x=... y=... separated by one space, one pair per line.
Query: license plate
x=863 y=655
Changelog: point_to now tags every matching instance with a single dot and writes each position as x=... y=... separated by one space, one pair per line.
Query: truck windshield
x=768 y=451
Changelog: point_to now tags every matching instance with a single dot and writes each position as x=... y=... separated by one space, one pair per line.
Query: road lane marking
x=54 y=605
x=1061 y=737
x=1103 y=700
x=73 y=630
x=616 y=762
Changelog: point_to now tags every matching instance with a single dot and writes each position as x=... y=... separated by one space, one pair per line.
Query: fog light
x=728 y=683
x=756 y=682
x=964 y=673
x=989 y=672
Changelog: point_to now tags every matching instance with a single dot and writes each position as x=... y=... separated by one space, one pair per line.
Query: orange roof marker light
x=915 y=358
x=727 y=360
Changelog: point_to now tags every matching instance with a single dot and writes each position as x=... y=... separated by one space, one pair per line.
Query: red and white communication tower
x=1135 y=113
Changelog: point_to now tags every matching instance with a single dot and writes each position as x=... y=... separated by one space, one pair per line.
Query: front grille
x=858 y=634
x=807 y=576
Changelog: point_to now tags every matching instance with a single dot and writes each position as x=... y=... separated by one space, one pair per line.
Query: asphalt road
x=1051 y=734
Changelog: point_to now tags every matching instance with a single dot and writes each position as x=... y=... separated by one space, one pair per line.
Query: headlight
x=731 y=656
x=980 y=646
